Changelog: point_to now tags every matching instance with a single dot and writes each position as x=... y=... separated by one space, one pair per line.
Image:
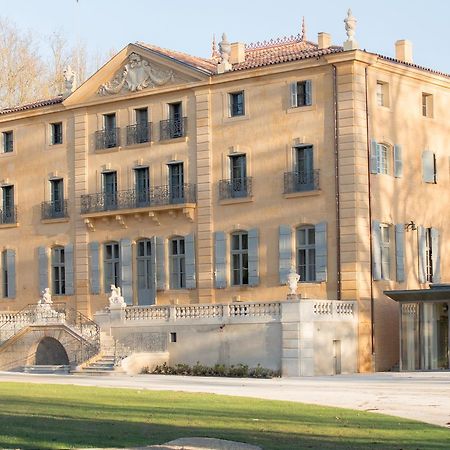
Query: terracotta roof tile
x=203 y=64
x=27 y=106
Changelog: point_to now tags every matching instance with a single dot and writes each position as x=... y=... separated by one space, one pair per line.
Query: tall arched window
x=306 y=253
x=58 y=271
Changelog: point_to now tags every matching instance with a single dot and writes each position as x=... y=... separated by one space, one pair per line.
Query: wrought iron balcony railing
x=54 y=209
x=235 y=188
x=172 y=128
x=8 y=215
x=107 y=138
x=131 y=199
x=301 y=181
x=139 y=133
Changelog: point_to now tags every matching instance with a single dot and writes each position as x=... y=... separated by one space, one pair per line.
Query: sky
x=188 y=25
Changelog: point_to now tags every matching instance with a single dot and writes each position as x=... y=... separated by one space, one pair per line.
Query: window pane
x=244 y=241
x=174 y=247
x=235 y=242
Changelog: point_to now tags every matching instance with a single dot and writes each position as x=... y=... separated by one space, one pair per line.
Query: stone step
x=60 y=369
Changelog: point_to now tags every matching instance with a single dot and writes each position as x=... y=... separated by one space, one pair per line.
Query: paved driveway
x=420 y=396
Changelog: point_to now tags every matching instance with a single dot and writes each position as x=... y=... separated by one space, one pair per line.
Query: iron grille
x=235 y=188
x=8 y=215
x=173 y=128
x=301 y=181
x=131 y=199
x=107 y=138
x=139 y=133
x=54 y=210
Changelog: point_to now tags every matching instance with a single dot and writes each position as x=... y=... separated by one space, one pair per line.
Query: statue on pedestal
x=116 y=301
x=292 y=281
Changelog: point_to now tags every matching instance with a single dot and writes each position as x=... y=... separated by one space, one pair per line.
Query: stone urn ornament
x=292 y=282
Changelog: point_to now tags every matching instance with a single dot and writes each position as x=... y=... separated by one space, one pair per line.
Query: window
x=384 y=159
x=306 y=253
x=385 y=248
x=110 y=190
x=57 y=197
x=58 y=271
x=144 y=271
x=111 y=265
x=239 y=258
x=8 y=142
x=427 y=105
x=237 y=104
x=382 y=93
x=176 y=182
x=428 y=255
x=177 y=264
x=140 y=132
x=304 y=168
x=429 y=168
x=238 y=176
x=142 y=186
x=109 y=136
x=301 y=94
x=8 y=211
x=175 y=120
x=56 y=133
x=4 y=274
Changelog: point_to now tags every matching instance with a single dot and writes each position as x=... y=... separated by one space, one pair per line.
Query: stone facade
x=310 y=164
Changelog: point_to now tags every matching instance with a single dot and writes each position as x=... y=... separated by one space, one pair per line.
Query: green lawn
x=36 y=416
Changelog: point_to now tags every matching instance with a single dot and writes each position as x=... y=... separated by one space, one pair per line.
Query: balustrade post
x=172 y=313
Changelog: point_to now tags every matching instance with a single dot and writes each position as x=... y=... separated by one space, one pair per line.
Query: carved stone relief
x=136 y=74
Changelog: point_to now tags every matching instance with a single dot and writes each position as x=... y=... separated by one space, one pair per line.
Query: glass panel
x=311 y=236
x=235 y=242
x=244 y=245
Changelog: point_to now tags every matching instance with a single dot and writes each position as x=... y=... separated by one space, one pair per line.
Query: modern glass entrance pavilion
x=424 y=327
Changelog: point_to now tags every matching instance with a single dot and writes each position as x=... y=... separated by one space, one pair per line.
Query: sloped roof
x=33 y=105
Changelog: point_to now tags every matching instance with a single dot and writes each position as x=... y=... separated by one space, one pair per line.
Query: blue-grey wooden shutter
x=68 y=268
x=376 y=250
x=421 y=239
x=428 y=169
x=43 y=268
x=253 y=257
x=294 y=95
x=220 y=260
x=126 y=273
x=308 y=93
x=160 y=264
x=284 y=252
x=373 y=157
x=435 y=255
x=153 y=263
x=11 y=271
x=321 y=251
x=400 y=251
x=398 y=162
x=189 y=248
x=94 y=267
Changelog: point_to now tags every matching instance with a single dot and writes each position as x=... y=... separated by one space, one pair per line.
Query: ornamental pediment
x=137 y=74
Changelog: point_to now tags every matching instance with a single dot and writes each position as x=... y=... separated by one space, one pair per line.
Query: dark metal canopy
x=436 y=293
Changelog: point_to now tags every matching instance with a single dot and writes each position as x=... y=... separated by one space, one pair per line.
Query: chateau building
x=187 y=180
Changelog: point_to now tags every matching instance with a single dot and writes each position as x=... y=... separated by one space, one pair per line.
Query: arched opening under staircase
x=51 y=352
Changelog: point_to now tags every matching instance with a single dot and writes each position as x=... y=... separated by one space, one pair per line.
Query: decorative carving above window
x=137 y=74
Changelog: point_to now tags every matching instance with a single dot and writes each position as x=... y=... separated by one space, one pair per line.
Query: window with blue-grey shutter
x=293 y=95
x=126 y=271
x=284 y=252
x=376 y=250
x=11 y=272
x=94 y=267
x=253 y=257
x=321 y=251
x=398 y=162
x=160 y=264
x=400 y=252
x=421 y=240
x=69 y=276
x=308 y=93
x=189 y=242
x=43 y=268
x=220 y=260
x=428 y=167
x=374 y=157
x=301 y=93
x=435 y=255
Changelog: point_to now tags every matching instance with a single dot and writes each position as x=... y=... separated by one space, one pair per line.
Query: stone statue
x=137 y=74
x=46 y=298
x=225 y=53
x=69 y=81
x=116 y=301
x=350 y=27
x=292 y=282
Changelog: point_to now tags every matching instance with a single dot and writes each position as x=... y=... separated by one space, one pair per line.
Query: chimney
x=403 y=51
x=237 y=53
x=324 y=40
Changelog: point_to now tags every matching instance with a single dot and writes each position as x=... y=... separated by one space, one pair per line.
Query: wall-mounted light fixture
x=410 y=226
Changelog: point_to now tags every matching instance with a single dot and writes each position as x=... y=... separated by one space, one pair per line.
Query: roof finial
x=214 y=52
x=225 y=52
x=350 y=27
x=303 y=33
